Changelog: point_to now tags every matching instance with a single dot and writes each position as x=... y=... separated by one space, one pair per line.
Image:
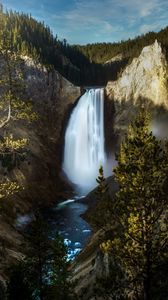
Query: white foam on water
x=84 y=150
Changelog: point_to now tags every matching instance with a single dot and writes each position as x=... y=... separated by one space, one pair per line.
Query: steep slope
x=52 y=97
x=40 y=173
x=146 y=77
x=131 y=48
x=143 y=82
x=35 y=39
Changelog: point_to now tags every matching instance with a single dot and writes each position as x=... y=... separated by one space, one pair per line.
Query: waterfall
x=84 y=140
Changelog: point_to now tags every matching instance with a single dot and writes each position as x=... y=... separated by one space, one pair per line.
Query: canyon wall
x=143 y=83
x=52 y=96
x=40 y=173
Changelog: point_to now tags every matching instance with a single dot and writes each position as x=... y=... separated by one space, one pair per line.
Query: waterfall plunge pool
x=84 y=152
x=66 y=219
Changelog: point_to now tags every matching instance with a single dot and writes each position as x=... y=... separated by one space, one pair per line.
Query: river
x=66 y=219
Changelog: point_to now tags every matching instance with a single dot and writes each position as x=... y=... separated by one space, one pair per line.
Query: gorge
x=84 y=153
x=77 y=130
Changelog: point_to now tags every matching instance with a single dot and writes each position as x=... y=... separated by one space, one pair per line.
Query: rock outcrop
x=50 y=91
x=143 y=82
x=146 y=77
x=40 y=173
x=52 y=96
x=89 y=267
x=116 y=58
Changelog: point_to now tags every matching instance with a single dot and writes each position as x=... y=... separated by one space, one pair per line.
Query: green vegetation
x=82 y=65
x=137 y=243
x=43 y=274
x=14 y=107
x=135 y=221
x=32 y=38
x=102 y=52
x=35 y=39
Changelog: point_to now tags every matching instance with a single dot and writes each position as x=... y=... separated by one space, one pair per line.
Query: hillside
x=82 y=65
x=102 y=52
x=30 y=37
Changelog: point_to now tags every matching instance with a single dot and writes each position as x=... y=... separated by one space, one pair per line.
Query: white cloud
x=111 y=16
x=148 y=27
x=108 y=27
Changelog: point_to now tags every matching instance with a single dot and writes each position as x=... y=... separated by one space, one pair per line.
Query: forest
x=102 y=52
x=133 y=220
x=82 y=65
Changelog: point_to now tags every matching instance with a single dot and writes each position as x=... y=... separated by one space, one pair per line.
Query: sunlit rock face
x=143 y=82
x=146 y=77
x=116 y=58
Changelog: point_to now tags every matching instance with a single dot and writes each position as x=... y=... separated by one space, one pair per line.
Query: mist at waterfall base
x=84 y=150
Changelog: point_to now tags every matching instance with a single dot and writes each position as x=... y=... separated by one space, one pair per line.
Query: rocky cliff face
x=50 y=92
x=143 y=82
x=89 y=267
x=146 y=77
x=53 y=97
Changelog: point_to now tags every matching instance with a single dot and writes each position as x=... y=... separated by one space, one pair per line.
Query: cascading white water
x=84 y=140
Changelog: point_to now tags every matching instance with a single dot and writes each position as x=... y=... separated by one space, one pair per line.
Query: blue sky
x=82 y=22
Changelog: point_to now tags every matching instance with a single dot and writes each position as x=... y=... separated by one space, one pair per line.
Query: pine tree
x=37 y=257
x=12 y=100
x=141 y=208
x=13 y=105
x=60 y=287
x=101 y=219
x=45 y=267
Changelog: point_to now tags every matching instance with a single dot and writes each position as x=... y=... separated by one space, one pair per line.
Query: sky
x=92 y=21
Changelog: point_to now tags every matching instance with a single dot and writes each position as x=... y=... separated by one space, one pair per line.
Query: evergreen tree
x=82 y=65
x=60 y=288
x=137 y=242
x=37 y=257
x=44 y=272
x=13 y=104
x=11 y=78
x=103 y=207
x=141 y=207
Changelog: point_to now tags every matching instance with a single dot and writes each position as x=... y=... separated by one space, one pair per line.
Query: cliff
x=53 y=97
x=143 y=82
x=87 y=267
x=40 y=173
